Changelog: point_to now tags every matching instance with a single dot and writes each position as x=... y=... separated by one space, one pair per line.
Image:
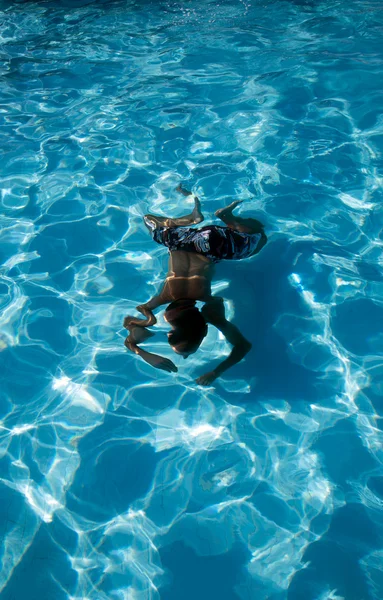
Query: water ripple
x=118 y=481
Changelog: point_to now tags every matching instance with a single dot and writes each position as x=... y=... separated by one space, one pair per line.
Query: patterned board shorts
x=217 y=243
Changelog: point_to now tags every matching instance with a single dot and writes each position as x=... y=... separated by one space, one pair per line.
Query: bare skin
x=190 y=276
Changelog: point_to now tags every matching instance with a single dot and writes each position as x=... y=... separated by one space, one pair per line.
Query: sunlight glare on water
x=119 y=481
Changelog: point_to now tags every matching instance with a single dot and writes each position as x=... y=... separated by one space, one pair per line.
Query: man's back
x=189 y=276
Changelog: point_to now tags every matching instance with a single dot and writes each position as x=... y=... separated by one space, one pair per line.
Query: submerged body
x=214 y=242
x=193 y=253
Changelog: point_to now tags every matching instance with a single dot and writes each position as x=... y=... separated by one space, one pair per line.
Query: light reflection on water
x=112 y=471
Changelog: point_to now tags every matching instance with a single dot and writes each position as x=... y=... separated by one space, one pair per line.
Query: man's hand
x=159 y=362
x=207 y=379
x=156 y=361
x=138 y=335
x=130 y=322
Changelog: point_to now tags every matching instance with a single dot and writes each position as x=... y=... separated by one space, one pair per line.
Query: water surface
x=122 y=482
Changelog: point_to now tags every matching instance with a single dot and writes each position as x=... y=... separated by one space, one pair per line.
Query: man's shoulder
x=214 y=310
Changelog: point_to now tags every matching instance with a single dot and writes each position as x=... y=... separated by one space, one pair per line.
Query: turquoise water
x=123 y=482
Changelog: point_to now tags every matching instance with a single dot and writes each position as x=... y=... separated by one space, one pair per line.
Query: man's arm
x=214 y=313
x=138 y=334
x=146 y=310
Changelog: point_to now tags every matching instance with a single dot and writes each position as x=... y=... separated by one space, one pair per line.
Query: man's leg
x=193 y=218
x=238 y=223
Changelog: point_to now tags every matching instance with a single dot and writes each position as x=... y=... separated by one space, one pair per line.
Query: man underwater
x=193 y=253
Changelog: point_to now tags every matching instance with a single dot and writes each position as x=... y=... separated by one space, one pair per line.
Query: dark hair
x=190 y=328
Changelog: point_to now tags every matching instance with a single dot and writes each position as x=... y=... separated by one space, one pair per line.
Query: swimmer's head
x=188 y=326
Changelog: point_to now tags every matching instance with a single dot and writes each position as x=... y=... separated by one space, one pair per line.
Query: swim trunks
x=214 y=242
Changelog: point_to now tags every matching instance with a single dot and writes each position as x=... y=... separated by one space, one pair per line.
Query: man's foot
x=182 y=190
x=197 y=213
x=227 y=210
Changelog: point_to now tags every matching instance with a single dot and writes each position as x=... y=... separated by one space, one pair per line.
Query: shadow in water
x=261 y=292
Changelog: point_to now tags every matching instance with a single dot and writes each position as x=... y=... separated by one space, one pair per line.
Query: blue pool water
x=119 y=481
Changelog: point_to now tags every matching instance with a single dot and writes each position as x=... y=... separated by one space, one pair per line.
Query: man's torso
x=189 y=276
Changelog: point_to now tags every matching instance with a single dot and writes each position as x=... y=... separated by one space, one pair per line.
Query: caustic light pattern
x=119 y=481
